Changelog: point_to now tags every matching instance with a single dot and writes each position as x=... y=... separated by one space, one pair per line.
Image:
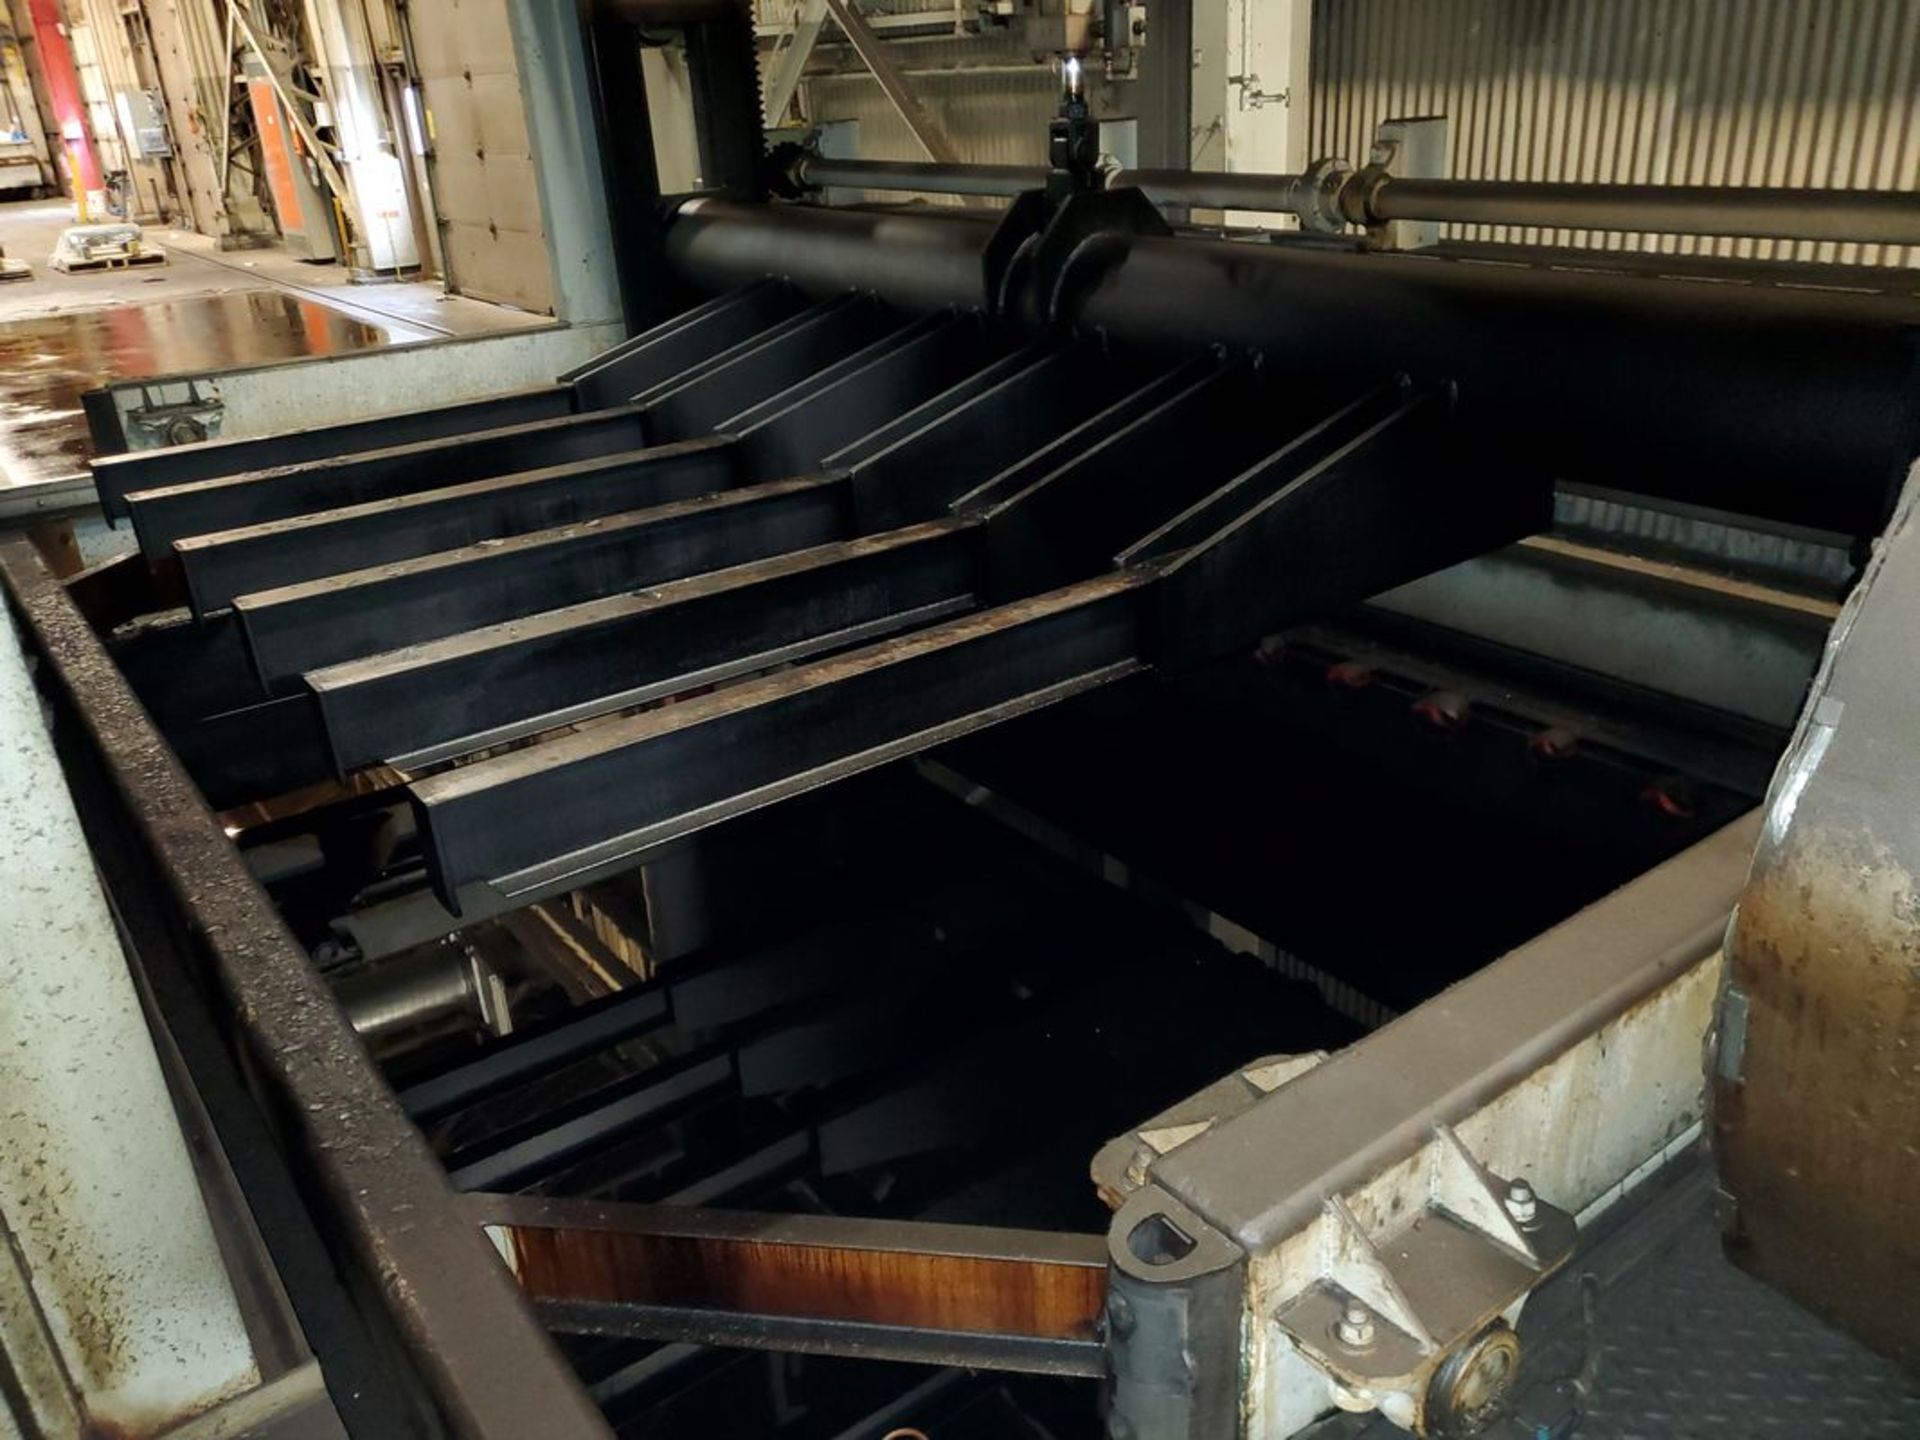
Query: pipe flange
x=1320 y=209
x=786 y=171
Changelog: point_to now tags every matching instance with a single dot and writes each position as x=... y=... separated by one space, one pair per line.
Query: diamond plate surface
x=1669 y=1341
x=1693 y=1349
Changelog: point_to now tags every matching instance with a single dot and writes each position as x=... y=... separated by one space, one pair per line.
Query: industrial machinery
x=1043 y=821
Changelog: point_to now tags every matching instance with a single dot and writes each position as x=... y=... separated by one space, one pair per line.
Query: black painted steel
x=1792 y=404
x=117 y=476
x=363 y=612
x=697 y=762
x=707 y=396
x=1304 y=533
x=484 y=685
x=802 y=426
x=160 y=517
x=687 y=339
x=918 y=262
x=229 y=563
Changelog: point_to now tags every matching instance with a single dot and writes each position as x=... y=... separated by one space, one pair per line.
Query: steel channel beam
x=607 y=380
x=265 y=749
x=117 y=476
x=673 y=346
x=946 y=407
x=529 y=817
x=896 y=1289
x=1408 y=495
x=201 y=507
x=1792 y=404
x=488 y=1366
x=276 y=553
x=1205 y=517
x=477 y=688
x=1126 y=404
x=789 y=354
x=365 y=612
x=1074 y=519
x=798 y=430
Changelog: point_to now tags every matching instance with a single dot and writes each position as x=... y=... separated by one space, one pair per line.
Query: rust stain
x=1819 y=1137
x=967 y=1293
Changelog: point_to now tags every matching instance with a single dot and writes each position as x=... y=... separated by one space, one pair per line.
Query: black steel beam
x=673 y=346
x=1075 y=518
x=1226 y=504
x=117 y=476
x=365 y=612
x=1059 y=447
x=797 y=430
x=707 y=396
x=532 y=817
x=160 y=517
x=425 y=702
x=277 y=553
x=916 y=466
x=1309 y=530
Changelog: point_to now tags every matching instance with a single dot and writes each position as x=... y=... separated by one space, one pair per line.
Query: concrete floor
x=61 y=335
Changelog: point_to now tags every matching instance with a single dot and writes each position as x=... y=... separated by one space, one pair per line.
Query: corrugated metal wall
x=1718 y=92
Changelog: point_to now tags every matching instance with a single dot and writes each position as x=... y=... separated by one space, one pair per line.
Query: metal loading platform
x=905 y=853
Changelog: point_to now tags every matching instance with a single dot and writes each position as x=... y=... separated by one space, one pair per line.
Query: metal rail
x=1332 y=195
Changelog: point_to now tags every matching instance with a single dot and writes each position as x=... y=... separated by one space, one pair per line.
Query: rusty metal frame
x=985 y=1297
x=489 y=1367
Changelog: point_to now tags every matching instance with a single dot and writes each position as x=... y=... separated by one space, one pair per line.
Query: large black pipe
x=918 y=262
x=1799 y=405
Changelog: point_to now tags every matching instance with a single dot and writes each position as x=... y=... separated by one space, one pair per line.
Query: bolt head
x=1355 y=1329
x=1521 y=1202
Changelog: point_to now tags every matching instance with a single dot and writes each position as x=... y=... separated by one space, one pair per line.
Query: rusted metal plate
x=1818 y=1094
x=1009 y=1298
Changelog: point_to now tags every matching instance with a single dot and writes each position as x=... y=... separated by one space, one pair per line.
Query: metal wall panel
x=1718 y=92
x=485 y=192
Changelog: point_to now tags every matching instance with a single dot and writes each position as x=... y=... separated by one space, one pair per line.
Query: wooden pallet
x=108 y=262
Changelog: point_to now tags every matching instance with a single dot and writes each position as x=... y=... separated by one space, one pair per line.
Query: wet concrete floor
x=48 y=361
